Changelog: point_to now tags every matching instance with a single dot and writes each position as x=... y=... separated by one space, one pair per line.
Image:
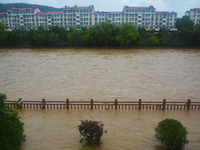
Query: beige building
x=147 y=17
x=194 y=15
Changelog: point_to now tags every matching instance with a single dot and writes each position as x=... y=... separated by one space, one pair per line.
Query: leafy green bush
x=11 y=128
x=153 y=41
x=91 y=131
x=172 y=134
x=2 y=98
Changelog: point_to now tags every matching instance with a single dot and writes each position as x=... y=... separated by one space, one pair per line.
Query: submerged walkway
x=139 y=105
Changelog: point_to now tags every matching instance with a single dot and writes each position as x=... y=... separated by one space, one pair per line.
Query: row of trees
x=104 y=34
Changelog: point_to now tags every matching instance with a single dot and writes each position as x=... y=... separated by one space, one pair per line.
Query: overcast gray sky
x=179 y=6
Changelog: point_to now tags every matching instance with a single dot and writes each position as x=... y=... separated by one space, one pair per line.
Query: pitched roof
x=3 y=13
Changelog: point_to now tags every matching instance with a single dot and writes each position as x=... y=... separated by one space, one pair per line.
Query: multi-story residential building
x=147 y=17
x=194 y=15
x=19 y=17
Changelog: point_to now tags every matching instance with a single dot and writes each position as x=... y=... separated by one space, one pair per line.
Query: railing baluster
x=124 y=105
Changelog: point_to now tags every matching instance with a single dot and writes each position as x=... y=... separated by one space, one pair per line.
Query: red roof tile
x=3 y=13
x=197 y=8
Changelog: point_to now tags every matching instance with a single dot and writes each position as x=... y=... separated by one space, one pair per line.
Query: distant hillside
x=5 y=7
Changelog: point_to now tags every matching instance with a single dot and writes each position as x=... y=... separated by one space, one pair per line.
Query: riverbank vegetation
x=11 y=128
x=105 y=34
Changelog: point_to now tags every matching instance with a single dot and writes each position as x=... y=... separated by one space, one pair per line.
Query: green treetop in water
x=11 y=128
x=172 y=134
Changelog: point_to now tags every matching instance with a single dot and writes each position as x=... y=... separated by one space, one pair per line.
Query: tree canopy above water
x=11 y=128
x=184 y=22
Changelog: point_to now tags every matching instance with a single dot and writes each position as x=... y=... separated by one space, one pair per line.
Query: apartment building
x=147 y=17
x=194 y=15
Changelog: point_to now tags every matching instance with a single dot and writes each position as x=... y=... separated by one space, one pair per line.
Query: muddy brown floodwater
x=105 y=74
x=127 y=130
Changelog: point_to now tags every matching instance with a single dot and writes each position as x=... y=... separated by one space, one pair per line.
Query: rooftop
x=150 y=7
x=81 y=7
x=19 y=9
x=3 y=13
x=50 y=12
x=109 y=12
x=197 y=8
x=101 y=12
x=164 y=12
x=116 y=12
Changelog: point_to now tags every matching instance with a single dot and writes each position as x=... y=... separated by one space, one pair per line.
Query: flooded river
x=58 y=74
x=127 y=130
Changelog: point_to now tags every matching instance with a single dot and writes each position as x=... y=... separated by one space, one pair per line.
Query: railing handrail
x=75 y=101
x=115 y=104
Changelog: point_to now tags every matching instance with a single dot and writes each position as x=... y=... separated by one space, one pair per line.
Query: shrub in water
x=2 y=98
x=91 y=131
x=11 y=128
x=172 y=134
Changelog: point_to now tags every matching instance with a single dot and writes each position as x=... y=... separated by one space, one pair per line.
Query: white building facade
x=147 y=17
x=194 y=15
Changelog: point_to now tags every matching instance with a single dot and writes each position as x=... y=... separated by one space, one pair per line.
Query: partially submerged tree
x=11 y=128
x=91 y=131
x=172 y=134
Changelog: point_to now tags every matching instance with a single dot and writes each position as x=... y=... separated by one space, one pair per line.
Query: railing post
x=19 y=105
x=188 y=104
x=140 y=104
x=91 y=105
x=164 y=104
x=43 y=103
x=116 y=104
x=67 y=102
